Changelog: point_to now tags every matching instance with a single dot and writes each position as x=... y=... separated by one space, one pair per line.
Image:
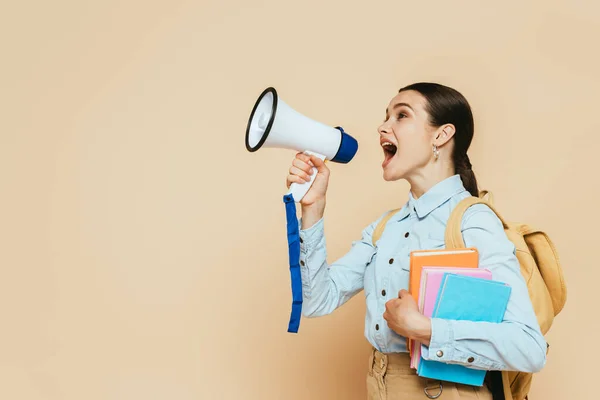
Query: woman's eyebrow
x=397 y=105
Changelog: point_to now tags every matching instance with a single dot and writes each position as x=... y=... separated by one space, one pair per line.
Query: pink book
x=431 y=279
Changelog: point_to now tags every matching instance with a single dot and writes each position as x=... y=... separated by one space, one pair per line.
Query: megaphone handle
x=298 y=190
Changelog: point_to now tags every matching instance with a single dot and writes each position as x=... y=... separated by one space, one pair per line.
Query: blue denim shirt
x=383 y=270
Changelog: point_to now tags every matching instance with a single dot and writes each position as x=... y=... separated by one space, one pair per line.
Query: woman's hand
x=403 y=317
x=313 y=202
x=301 y=171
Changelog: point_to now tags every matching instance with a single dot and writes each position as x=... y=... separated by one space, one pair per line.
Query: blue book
x=465 y=298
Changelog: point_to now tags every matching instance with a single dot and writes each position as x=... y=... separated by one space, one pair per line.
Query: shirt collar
x=434 y=197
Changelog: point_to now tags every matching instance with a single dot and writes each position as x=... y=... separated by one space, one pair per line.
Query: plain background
x=143 y=249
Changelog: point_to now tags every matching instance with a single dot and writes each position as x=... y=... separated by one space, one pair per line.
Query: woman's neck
x=429 y=176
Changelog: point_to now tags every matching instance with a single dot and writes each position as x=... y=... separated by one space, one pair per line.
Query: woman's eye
x=400 y=116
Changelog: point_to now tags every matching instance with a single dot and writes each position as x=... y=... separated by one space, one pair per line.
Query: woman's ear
x=443 y=134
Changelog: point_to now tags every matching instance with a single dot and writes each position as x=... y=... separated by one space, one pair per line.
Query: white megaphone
x=274 y=124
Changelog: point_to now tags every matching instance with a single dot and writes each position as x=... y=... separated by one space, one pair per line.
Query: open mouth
x=389 y=150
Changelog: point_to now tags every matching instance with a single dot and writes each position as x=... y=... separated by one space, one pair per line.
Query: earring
x=436 y=152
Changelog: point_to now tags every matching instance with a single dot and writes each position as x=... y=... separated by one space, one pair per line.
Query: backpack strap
x=453 y=235
x=381 y=226
x=487 y=193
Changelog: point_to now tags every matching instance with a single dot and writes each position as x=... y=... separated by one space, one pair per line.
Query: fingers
x=306 y=162
x=293 y=179
x=300 y=173
x=402 y=293
x=304 y=157
x=302 y=165
x=318 y=163
x=391 y=323
x=391 y=304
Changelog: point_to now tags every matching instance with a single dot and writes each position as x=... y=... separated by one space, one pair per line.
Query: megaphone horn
x=274 y=124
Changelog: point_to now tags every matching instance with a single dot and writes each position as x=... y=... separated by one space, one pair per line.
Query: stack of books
x=448 y=284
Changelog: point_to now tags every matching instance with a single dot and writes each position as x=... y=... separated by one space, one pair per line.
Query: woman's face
x=406 y=136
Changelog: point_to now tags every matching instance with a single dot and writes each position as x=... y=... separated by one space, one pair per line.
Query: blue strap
x=293 y=235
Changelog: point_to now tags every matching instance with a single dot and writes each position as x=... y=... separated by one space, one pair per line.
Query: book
x=458 y=258
x=465 y=298
x=431 y=279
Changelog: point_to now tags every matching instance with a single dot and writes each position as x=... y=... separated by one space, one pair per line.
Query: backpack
x=540 y=268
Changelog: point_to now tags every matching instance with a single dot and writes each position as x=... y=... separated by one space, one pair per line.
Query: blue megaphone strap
x=293 y=235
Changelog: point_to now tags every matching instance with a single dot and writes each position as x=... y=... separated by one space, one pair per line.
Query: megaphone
x=274 y=124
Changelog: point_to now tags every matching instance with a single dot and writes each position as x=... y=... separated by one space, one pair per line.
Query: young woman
x=425 y=137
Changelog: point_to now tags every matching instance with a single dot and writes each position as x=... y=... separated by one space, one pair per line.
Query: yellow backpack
x=540 y=268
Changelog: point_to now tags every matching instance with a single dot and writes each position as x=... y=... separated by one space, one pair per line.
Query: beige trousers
x=390 y=377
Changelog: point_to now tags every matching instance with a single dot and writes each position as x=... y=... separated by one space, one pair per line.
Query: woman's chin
x=389 y=175
x=392 y=174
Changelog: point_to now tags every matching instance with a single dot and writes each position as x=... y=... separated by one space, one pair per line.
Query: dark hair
x=447 y=106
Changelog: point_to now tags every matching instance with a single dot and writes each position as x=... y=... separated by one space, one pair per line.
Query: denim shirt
x=383 y=270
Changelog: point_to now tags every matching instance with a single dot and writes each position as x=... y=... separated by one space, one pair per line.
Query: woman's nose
x=383 y=129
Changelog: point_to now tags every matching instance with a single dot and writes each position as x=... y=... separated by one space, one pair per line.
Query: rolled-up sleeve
x=326 y=287
x=516 y=343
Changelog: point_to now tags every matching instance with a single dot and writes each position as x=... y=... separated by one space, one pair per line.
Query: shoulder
x=481 y=216
x=478 y=215
x=481 y=227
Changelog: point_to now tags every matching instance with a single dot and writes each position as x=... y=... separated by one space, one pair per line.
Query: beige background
x=143 y=253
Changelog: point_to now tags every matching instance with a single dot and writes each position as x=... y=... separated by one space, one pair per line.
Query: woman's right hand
x=300 y=172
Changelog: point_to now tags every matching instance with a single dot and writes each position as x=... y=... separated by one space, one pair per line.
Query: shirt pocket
x=432 y=241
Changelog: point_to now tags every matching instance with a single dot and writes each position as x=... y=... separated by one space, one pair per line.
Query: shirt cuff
x=440 y=346
x=443 y=346
x=311 y=236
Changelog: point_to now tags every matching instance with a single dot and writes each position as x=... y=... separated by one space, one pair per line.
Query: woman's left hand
x=403 y=317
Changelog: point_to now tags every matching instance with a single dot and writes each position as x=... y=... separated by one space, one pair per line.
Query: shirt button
x=383 y=292
x=301 y=241
x=376 y=327
x=439 y=353
x=471 y=359
x=406 y=235
x=391 y=260
x=302 y=262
